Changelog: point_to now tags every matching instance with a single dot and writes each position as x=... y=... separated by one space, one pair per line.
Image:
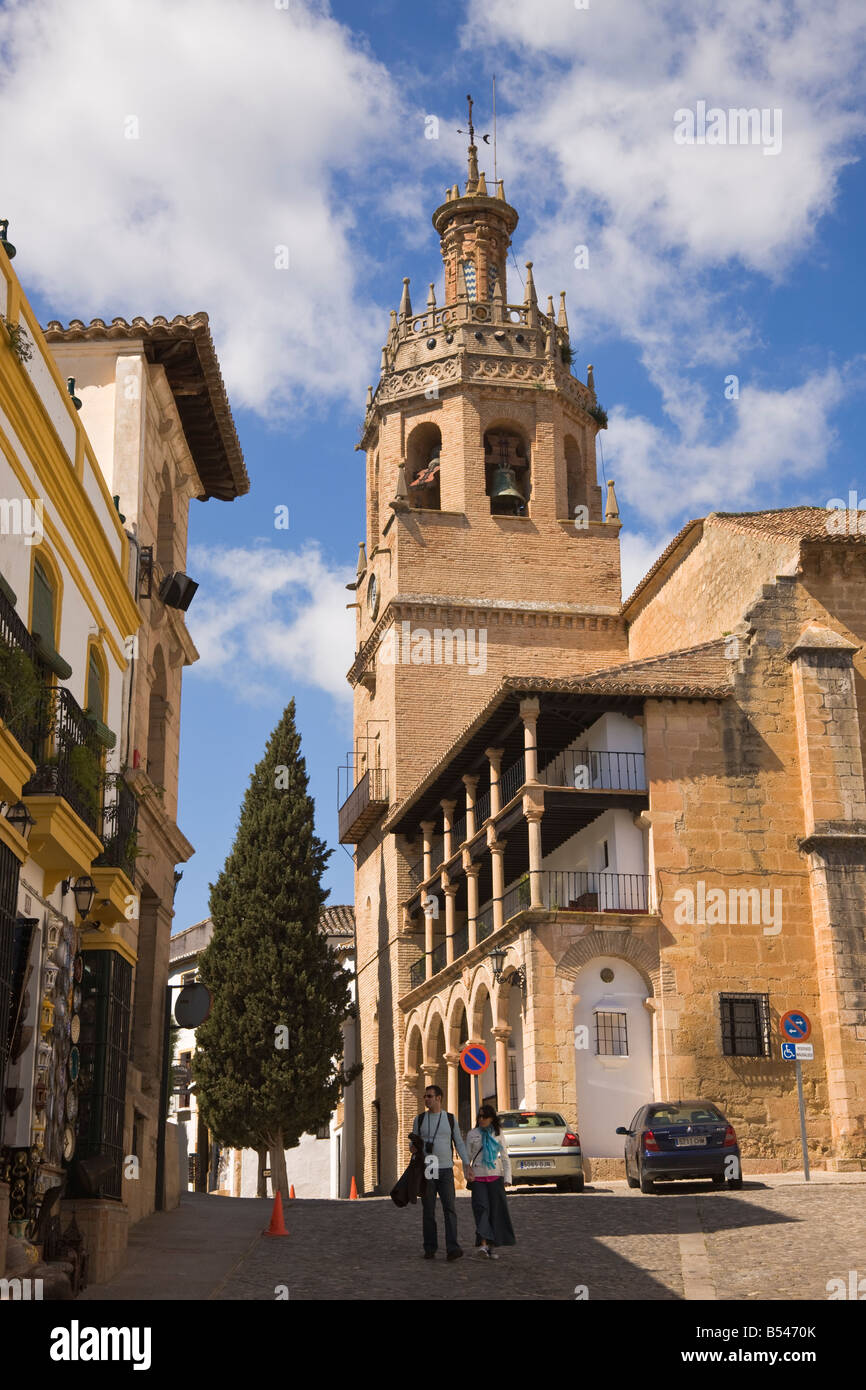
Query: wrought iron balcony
x=484 y=925
x=589 y=769
x=364 y=805
x=119 y=827
x=439 y=957
x=416 y=872
x=482 y=809
x=67 y=755
x=418 y=972
x=594 y=892
x=511 y=781
x=458 y=833
x=461 y=942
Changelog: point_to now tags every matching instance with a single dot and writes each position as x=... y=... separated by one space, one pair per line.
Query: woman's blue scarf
x=490 y=1145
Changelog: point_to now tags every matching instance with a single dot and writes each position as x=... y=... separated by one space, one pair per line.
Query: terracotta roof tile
x=204 y=410
x=338 y=920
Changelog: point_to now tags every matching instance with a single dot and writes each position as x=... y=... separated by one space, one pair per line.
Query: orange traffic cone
x=353 y=1190
x=278 y=1225
x=292 y=1191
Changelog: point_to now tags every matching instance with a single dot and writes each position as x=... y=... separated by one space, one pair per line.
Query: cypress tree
x=268 y=1060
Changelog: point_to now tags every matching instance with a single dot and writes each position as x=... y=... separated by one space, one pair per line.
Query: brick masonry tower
x=489 y=551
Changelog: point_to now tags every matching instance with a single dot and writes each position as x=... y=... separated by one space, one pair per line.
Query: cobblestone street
x=776 y=1239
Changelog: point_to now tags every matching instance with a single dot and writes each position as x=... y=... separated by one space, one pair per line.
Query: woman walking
x=490 y=1170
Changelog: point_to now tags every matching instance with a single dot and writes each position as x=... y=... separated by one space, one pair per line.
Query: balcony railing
x=511 y=781
x=364 y=805
x=458 y=833
x=589 y=769
x=14 y=637
x=416 y=872
x=594 y=892
x=484 y=925
x=461 y=942
x=67 y=755
x=516 y=899
x=439 y=957
x=482 y=809
x=119 y=826
x=418 y=972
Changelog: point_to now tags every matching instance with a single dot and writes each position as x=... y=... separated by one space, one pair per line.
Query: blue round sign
x=795 y=1025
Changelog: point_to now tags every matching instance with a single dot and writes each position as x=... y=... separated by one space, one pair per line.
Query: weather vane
x=471 y=131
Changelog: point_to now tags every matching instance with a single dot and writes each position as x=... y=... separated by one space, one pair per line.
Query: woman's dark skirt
x=490 y=1209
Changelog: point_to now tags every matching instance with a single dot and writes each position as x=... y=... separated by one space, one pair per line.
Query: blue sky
x=261 y=126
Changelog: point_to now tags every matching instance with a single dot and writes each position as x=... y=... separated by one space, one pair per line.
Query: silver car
x=542 y=1149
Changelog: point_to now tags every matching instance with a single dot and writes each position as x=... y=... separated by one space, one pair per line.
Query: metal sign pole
x=799 y=1067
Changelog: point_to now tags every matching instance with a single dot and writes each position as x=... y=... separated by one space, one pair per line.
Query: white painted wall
x=610 y=1089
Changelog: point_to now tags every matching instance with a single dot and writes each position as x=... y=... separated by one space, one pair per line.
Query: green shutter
x=43 y=605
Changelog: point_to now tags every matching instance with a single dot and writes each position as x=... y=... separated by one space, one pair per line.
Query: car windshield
x=532 y=1119
x=685 y=1114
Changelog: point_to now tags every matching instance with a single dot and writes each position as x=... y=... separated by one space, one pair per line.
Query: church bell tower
x=486 y=525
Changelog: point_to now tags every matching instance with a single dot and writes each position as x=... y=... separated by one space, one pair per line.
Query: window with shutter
x=95 y=696
x=43 y=605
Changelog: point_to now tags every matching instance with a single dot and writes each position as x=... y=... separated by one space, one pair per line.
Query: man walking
x=438 y=1132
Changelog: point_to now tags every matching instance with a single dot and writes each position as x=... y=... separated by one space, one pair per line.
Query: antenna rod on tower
x=495 y=180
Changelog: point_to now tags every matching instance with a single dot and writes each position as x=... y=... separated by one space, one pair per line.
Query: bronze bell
x=504 y=487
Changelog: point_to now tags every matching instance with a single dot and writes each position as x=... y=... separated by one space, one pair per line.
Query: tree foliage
x=269 y=969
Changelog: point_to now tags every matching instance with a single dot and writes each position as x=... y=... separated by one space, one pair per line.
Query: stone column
x=430 y=1071
x=497 y=850
x=472 y=871
x=501 y=1036
x=529 y=709
x=834 y=803
x=450 y=891
x=533 y=813
x=427 y=829
x=494 y=755
x=447 y=824
x=452 y=1061
x=470 y=782
x=428 y=945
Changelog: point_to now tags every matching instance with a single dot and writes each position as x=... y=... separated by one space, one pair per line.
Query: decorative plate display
x=68 y=1142
x=78 y=968
x=71 y=1104
x=75 y=1028
x=74 y=1063
x=76 y=999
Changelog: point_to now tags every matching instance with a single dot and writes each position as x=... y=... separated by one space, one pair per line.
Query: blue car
x=681 y=1139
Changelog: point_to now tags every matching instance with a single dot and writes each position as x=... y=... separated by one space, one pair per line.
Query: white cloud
x=247 y=114
x=265 y=613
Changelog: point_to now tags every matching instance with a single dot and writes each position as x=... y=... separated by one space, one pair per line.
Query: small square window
x=611 y=1034
x=745 y=1025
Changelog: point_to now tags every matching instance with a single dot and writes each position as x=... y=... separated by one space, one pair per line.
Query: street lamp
x=497 y=960
x=20 y=819
x=83 y=891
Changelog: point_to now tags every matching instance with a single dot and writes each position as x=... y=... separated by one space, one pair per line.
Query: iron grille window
x=513 y=1097
x=611 y=1034
x=376 y=1143
x=9 y=867
x=323 y=1132
x=745 y=1025
x=104 y=1047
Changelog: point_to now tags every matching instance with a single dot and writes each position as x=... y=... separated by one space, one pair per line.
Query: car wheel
x=734 y=1183
x=632 y=1182
x=718 y=1182
x=647 y=1185
x=563 y=1185
x=578 y=1183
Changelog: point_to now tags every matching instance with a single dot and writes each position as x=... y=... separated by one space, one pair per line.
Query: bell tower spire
x=475 y=228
